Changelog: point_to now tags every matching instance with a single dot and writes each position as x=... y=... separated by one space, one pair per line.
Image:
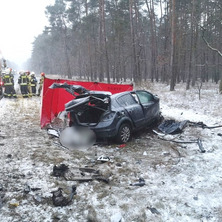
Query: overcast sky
x=20 y=22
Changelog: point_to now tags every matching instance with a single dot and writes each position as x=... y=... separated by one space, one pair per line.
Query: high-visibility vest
x=41 y=80
x=8 y=80
x=23 y=80
x=33 y=81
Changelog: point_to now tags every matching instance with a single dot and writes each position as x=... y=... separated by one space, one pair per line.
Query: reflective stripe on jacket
x=23 y=80
x=8 y=80
x=33 y=81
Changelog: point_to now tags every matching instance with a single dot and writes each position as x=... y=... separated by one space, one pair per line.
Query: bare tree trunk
x=134 y=65
x=191 y=48
x=66 y=54
x=173 y=42
x=153 y=40
x=105 y=42
x=89 y=46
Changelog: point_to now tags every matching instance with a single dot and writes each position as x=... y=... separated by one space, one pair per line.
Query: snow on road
x=181 y=183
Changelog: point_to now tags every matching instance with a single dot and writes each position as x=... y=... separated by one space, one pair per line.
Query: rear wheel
x=124 y=133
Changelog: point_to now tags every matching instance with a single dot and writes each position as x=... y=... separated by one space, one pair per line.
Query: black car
x=113 y=116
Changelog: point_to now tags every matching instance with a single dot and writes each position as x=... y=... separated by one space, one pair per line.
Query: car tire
x=124 y=133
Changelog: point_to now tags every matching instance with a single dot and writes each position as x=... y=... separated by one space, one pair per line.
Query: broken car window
x=126 y=100
x=144 y=97
x=135 y=97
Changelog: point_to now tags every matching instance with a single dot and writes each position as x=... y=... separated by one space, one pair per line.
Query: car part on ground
x=78 y=174
x=59 y=199
x=172 y=127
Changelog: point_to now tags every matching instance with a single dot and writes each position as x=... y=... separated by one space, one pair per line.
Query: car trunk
x=87 y=110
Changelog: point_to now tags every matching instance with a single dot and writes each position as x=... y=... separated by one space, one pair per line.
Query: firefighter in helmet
x=23 y=81
x=8 y=80
x=33 y=83
x=29 y=84
x=41 y=83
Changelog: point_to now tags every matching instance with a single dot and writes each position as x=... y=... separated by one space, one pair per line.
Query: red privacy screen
x=54 y=100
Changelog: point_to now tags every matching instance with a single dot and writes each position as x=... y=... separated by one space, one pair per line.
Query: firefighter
x=29 y=84
x=8 y=80
x=33 y=83
x=23 y=81
x=41 y=83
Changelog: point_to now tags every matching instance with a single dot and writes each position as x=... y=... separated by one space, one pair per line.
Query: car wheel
x=124 y=133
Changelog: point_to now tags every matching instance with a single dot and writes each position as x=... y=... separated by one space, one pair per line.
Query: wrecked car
x=114 y=116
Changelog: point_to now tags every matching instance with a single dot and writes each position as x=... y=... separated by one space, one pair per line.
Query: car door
x=149 y=104
x=133 y=108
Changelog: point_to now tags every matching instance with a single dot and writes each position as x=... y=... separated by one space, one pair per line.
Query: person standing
x=33 y=83
x=29 y=83
x=23 y=81
x=8 y=80
x=41 y=83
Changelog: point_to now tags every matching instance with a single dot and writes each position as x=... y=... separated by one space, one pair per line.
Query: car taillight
x=1 y=83
x=108 y=117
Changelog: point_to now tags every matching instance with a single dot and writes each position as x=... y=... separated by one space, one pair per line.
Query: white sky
x=21 y=21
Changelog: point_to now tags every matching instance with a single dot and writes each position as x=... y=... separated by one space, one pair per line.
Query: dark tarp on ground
x=54 y=100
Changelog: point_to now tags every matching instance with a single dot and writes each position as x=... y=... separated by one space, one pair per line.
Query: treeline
x=115 y=40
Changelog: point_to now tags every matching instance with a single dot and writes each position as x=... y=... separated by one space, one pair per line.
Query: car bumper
x=105 y=129
x=105 y=133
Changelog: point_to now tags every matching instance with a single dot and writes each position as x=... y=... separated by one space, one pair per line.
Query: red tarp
x=54 y=100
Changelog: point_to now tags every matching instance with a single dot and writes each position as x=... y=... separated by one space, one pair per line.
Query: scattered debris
x=122 y=145
x=78 y=174
x=202 y=125
x=84 y=175
x=140 y=183
x=199 y=143
x=53 y=132
x=103 y=159
x=13 y=203
x=27 y=189
x=35 y=189
x=153 y=210
x=37 y=198
x=59 y=200
x=89 y=170
x=145 y=153
x=172 y=127
x=195 y=198
x=59 y=171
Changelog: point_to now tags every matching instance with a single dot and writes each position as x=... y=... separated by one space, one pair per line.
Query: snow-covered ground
x=181 y=183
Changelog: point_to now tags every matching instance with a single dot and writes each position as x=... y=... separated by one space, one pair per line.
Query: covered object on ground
x=53 y=101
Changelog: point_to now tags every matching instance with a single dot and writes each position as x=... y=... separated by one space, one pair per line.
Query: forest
x=166 y=41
